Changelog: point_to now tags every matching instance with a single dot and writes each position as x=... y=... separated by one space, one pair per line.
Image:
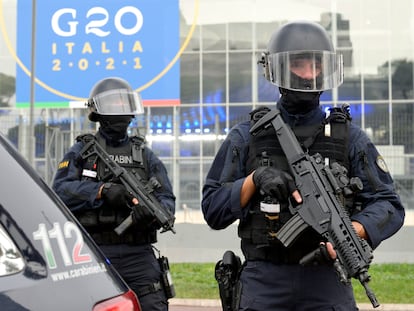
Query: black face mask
x=115 y=127
x=299 y=102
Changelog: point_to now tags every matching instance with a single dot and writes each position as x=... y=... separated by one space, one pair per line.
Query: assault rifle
x=321 y=207
x=134 y=184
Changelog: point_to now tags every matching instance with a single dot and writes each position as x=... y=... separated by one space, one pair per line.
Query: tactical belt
x=149 y=289
x=110 y=238
x=278 y=258
x=276 y=254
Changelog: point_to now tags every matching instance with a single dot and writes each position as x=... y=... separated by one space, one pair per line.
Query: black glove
x=116 y=195
x=273 y=182
x=317 y=257
x=142 y=215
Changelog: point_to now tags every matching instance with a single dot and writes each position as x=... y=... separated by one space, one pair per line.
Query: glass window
x=239 y=114
x=356 y=113
x=376 y=87
x=190 y=190
x=11 y=260
x=214 y=119
x=402 y=49
x=240 y=77
x=161 y=120
x=214 y=78
x=190 y=78
x=190 y=145
x=403 y=125
x=263 y=33
x=351 y=88
x=194 y=41
x=161 y=130
x=190 y=131
x=240 y=36
x=377 y=123
x=140 y=123
x=326 y=95
x=266 y=91
x=189 y=119
x=402 y=79
x=375 y=57
x=214 y=37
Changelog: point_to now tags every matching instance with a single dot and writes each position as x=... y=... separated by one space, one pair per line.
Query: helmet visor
x=307 y=71
x=117 y=102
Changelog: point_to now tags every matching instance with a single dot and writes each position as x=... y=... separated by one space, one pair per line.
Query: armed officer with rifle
x=312 y=195
x=120 y=192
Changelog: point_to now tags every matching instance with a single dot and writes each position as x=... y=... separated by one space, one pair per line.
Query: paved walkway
x=177 y=304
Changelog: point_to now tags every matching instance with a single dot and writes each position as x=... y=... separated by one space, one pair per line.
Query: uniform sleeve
x=158 y=170
x=77 y=194
x=221 y=191
x=382 y=213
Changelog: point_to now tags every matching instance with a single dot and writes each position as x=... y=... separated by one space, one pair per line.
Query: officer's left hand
x=330 y=249
x=360 y=232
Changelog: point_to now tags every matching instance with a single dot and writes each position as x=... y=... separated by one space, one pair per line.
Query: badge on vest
x=381 y=164
x=89 y=173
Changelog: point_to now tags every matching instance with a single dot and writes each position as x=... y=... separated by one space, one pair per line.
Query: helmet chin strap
x=296 y=102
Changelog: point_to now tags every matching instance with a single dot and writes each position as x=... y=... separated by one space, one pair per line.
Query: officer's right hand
x=274 y=182
x=141 y=215
x=115 y=195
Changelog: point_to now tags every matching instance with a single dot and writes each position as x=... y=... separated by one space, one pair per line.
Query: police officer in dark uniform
x=101 y=203
x=248 y=180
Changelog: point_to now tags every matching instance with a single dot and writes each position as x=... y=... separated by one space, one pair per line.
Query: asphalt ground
x=177 y=304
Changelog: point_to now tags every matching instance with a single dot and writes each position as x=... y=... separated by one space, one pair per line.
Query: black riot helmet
x=113 y=96
x=296 y=45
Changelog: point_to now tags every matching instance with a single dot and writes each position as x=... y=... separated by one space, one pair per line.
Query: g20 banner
x=79 y=42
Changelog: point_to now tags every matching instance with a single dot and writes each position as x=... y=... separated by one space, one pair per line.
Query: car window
x=11 y=260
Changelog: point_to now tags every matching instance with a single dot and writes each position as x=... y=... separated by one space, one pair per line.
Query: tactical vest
x=258 y=232
x=101 y=222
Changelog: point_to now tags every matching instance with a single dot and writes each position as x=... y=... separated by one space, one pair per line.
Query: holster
x=227 y=274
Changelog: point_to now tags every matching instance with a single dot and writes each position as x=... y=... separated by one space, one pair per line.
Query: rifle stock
x=139 y=189
x=320 y=207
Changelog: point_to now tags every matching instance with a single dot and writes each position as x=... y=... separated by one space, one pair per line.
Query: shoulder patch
x=63 y=164
x=381 y=164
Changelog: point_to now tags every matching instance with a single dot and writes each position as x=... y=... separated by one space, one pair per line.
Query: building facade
x=220 y=82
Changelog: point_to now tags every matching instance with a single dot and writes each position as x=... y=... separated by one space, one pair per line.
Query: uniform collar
x=314 y=116
x=111 y=142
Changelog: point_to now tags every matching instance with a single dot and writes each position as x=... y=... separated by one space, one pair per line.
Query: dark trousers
x=139 y=268
x=270 y=287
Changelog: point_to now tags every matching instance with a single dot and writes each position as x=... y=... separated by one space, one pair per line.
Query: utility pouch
x=166 y=278
x=106 y=217
x=88 y=219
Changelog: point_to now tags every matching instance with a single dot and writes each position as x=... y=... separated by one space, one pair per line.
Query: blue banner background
x=70 y=61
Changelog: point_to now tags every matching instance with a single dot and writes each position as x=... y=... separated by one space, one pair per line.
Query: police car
x=47 y=261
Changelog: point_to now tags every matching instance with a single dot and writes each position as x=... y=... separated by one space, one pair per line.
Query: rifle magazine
x=291 y=230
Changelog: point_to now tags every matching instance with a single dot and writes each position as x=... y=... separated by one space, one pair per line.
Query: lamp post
x=32 y=140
